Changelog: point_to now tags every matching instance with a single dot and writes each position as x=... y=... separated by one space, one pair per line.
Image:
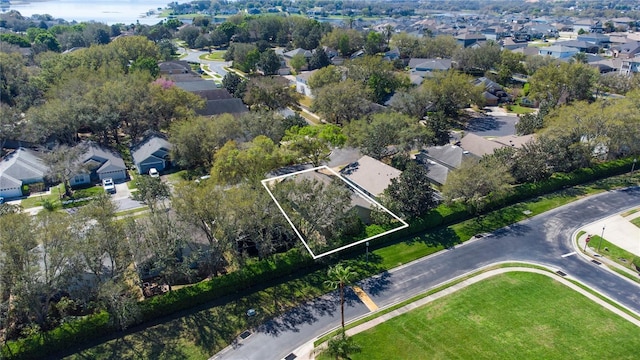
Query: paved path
x=542 y=239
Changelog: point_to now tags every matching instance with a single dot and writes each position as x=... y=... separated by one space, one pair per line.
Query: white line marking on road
x=568 y=254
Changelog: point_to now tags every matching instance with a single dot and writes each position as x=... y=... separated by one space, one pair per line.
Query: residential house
x=20 y=167
x=306 y=53
x=595 y=38
x=98 y=163
x=370 y=175
x=510 y=43
x=420 y=68
x=302 y=83
x=558 y=52
x=627 y=50
x=219 y=101
x=582 y=46
x=468 y=39
x=630 y=66
x=478 y=145
x=493 y=92
x=439 y=160
x=152 y=152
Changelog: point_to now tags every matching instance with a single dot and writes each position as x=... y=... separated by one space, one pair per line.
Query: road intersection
x=542 y=239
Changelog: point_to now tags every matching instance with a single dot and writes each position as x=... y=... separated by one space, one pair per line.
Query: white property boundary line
x=360 y=192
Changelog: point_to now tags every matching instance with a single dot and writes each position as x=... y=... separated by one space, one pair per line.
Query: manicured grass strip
x=132 y=211
x=217 y=55
x=605 y=299
x=636 y=221
x=509 y=316
x=630 y=212
x=611 y=251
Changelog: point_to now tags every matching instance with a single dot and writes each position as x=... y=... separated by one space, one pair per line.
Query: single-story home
x=18 y=168
x=99 y=163
x=439 y=160
x=370 y=175
x=302 y=83
x=152 y=152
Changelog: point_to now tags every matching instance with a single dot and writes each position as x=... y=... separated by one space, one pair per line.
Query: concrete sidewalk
x=617 y=230
x=307 y=351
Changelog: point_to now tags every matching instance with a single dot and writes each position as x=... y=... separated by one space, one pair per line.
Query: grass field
x=510 y=316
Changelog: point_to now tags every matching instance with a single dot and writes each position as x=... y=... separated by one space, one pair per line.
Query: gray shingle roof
x=105 y=157
x=148 y=147
x=370 y=174
x=22 y=164
x=223 y=106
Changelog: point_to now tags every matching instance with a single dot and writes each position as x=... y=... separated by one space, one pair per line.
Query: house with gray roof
x=152 y=152
x=439 y=160
x=370 y=175
x=558 y=51
x=18 y=168
x=98 y=163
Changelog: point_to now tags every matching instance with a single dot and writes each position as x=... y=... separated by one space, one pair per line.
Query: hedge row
x=278 y=266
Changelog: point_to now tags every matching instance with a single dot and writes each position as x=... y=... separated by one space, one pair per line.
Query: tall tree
x=342 y=102
x=314 y=143
x=63 y=162
x=411 y=193
x=449 y=92
x=339 y=277
x=270 y=93
x=477 y=183
x=376 y=134
x=269 y=62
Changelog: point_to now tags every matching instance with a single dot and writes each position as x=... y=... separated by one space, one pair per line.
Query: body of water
x=104 y=11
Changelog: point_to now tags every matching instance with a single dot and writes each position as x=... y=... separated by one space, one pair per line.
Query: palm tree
x=340 y=276
x=341 y=346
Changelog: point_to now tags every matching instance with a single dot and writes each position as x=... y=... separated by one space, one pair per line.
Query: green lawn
x=611 y=251
x=217 y=55
x=510 y=316
x=54 y=196
x=519 y=109
x=636 y=221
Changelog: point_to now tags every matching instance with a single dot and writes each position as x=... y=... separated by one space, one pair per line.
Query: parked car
x=153 y=172
x=109 y=186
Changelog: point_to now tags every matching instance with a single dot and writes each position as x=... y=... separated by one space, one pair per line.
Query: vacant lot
x=511 y=316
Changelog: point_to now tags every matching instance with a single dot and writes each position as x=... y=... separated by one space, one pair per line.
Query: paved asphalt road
x=541 y=239
x=494 y=125
x=194 y=56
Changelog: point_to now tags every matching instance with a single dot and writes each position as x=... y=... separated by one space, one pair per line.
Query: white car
x=153 y=172
x=109 y=186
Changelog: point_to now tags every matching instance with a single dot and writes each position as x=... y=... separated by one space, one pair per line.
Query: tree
x=476 y=183
x=346 y=41
x=580 y=57
x=342 y=102
x=374 y=43
x=189 y=34
x=151 y=191
x=412 y=102
x=510 y=63
x=319 y=59
x=411 y=193
x=563 y=83
x=341 y=346
x=269 y=62
x=339 y=277
x=270 y=93
x=63 y=162
x=233 y=163
x=268 y=123
x=449 y=92
x=376 y=134
x=314 y=143
x=298 y=61
x=325 y=76
x=375 y=74
x=196 y=140
x=234 y=84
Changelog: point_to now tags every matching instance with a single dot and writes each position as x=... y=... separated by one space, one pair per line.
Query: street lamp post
x=633 y=166
x=367 y=244
x=601 y=237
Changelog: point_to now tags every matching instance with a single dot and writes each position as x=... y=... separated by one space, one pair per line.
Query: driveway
x=544 y=239
x=495 y=122
x=194 y=56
